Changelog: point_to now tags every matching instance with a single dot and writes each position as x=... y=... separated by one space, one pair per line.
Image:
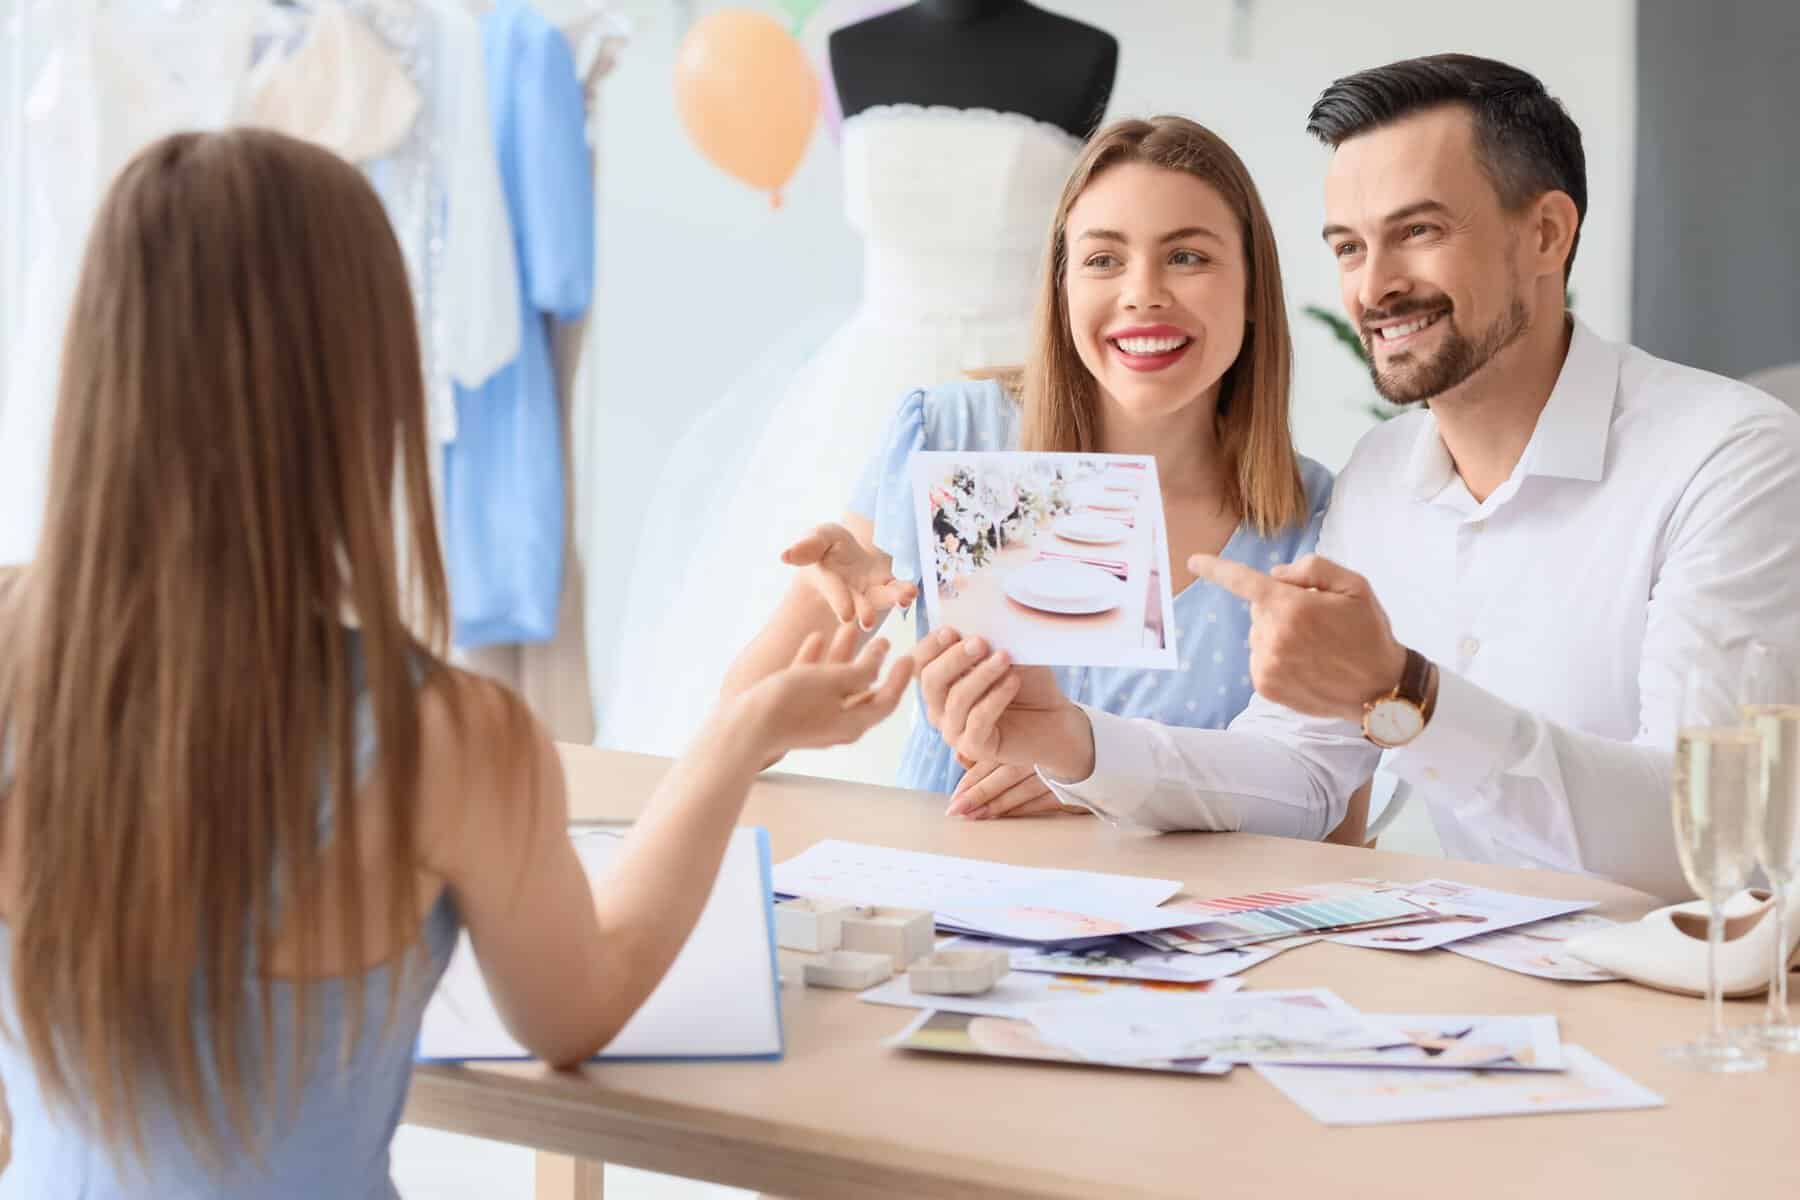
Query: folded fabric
x=341 y=89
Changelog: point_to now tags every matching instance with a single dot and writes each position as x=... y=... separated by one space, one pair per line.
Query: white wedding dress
x=111 y=84
x=954 y=206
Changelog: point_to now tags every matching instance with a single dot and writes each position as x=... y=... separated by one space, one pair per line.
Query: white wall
x=698 y=274
x=12 y=97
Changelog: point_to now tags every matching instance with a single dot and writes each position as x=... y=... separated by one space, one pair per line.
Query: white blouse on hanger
x=350 y=85
x=111 y=85
x=340 y=88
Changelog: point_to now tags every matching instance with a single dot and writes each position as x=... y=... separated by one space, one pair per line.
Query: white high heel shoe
x=1667 y=949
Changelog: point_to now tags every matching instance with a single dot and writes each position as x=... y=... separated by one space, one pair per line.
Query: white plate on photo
x=1091 y=528
x=1064 y=587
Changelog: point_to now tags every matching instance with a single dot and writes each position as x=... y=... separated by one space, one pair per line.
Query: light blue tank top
x=328 y=1140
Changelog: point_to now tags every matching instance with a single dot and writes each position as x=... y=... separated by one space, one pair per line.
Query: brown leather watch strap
x=1415 y=679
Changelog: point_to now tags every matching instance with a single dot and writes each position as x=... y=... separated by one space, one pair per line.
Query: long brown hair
x=239 y=453
x=1058 y=395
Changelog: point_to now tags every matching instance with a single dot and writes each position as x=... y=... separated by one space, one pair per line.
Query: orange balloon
x=747 y=96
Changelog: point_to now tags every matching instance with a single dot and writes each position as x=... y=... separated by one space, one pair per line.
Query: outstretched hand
x=856 y=582
x=828 y=695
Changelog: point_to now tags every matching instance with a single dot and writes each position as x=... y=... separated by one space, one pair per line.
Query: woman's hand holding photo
x=989 y=710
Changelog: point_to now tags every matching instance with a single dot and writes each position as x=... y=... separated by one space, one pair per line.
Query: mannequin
x=1001 y=54
x=962 y=120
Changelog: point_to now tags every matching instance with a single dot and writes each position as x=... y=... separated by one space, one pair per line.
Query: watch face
x=1393 y=722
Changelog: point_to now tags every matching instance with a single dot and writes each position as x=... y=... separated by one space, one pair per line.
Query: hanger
x=282 y=19
x=597 y=32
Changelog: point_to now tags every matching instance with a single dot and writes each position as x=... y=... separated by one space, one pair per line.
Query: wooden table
x=843 y=1117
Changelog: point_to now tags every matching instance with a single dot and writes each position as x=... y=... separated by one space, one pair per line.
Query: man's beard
x=1458 y=358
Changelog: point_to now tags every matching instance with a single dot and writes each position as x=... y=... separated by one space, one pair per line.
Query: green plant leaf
x=798 y=11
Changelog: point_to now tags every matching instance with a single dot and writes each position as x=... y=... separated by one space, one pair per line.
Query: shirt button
x=1431 y=773
x=1467 y=648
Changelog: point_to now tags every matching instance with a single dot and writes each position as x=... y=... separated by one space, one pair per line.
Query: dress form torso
x=952 y=205
x=963 y=119
x=1001 y=54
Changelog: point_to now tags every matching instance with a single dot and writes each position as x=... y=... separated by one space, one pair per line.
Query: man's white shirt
x=1652 y=522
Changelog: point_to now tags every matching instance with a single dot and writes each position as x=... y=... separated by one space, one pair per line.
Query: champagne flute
x=1772 y=709
x=1717 y=789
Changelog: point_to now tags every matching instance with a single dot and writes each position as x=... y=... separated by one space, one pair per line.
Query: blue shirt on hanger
x=504 y=512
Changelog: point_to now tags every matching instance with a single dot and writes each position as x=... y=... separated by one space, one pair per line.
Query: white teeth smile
x=1150 y=345
x=1390 y=332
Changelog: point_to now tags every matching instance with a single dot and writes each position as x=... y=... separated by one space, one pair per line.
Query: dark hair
x=1524 y=138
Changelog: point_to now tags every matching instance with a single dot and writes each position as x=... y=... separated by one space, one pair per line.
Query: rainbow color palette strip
x=1244 y=926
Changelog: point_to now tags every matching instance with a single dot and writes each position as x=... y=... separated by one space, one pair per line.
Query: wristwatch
x=1393 y=720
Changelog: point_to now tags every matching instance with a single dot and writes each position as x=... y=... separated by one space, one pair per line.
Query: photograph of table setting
x=1055 y=557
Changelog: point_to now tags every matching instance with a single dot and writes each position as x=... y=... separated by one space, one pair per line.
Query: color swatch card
x=1537 y=948
x=1459 y=911
x=1272 y=1026
x=1237 y=921
x=1385 y=1096
x=938 y=1032
x=1117 y=958
x=1024 y=992
x=1434 y=1042
x=1027 y=904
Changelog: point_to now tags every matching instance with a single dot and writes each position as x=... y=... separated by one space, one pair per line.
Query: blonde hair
x=239 y=449
x=1059 y=397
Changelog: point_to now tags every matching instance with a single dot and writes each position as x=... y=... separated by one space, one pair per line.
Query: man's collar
x=1572 y=431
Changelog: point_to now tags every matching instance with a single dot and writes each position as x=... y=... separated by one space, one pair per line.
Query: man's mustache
x=1405 y=308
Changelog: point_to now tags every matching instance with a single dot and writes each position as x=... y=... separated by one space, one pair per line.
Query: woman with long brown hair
x=245 y=806
x=1160 y=329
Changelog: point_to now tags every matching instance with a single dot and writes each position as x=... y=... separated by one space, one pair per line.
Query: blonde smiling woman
x=1160 y=329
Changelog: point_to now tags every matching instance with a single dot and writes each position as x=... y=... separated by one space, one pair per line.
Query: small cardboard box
x=959 y=972
x=813 y=925
x=847 y=969
x=903 y=934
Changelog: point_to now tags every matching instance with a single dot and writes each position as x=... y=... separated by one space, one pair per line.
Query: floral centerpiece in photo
x=975 y=514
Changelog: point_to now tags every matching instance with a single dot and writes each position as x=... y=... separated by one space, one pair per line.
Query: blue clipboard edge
x=766 y=866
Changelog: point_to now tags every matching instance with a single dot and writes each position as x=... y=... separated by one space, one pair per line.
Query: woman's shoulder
x=1317 y=479
x=488 y=770
x=964 y=414
x=1297 y=540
